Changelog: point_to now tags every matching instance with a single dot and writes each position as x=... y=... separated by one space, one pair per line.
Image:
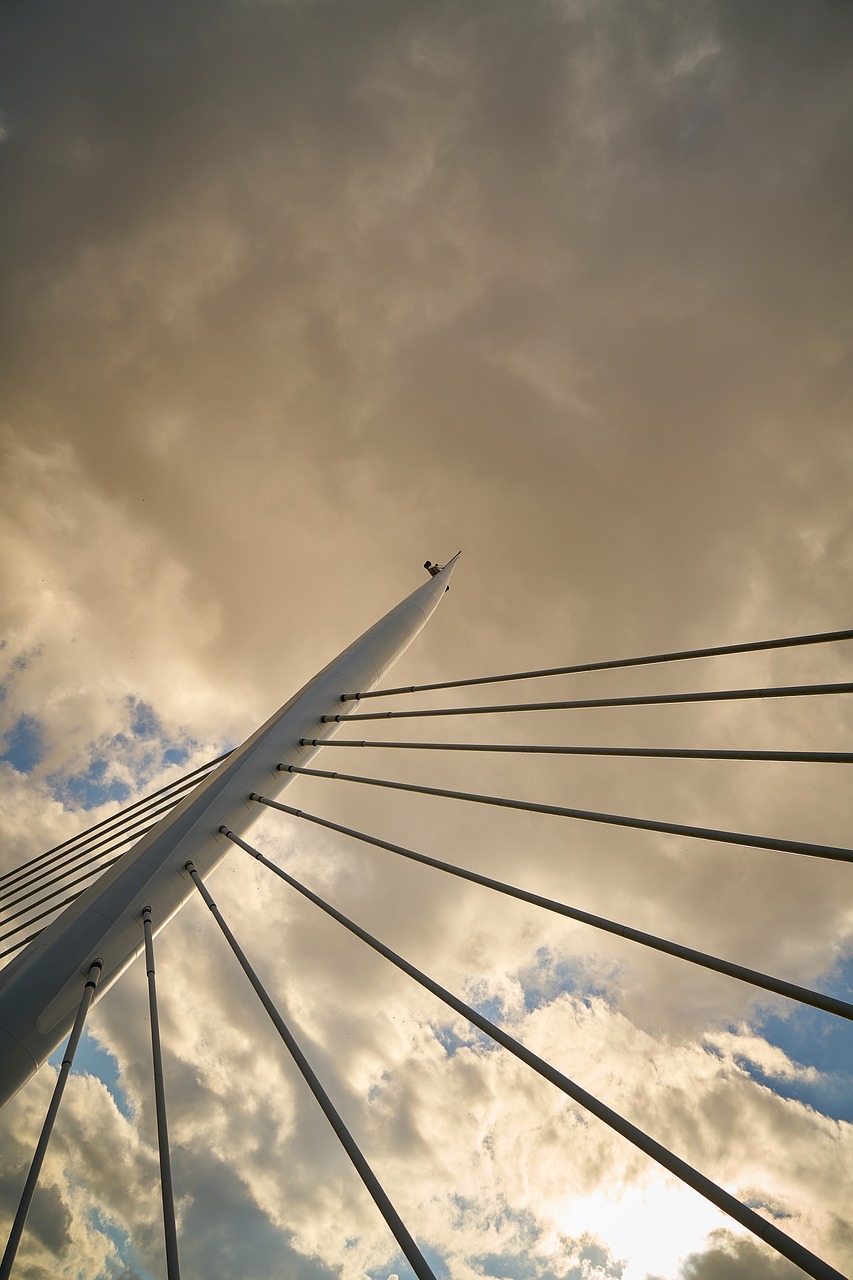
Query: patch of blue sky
x=472 y=1038
x=127 y=1263
x=768 y=1207
x=578 y=1259
x=502 y=1266
x=93 y=1059
x=596 y=1255
x=144 y=720
x=400 y=1267
x=141 y=747
x=490 y=1006
x=550 y=975
x=23 y=746
x=91 y=786
x=145 y=724
x=520 y=1232
x=553 y=974
x=521 y=1266
x=812 y=1038
x=376 y=1088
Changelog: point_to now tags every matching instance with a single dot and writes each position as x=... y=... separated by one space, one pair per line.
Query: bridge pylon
x=40 y=989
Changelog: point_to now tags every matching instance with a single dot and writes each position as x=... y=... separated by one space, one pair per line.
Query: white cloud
x=565 y=285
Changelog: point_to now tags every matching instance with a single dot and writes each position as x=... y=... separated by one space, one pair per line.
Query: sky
x=296 y=295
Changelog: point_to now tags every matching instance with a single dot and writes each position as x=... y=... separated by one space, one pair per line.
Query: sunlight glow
x=651 y=1228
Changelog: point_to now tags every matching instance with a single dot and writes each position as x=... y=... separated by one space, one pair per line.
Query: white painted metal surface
x=40 y=989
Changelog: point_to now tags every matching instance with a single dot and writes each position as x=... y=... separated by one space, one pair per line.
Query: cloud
x=295 y=297
x=730 y=1258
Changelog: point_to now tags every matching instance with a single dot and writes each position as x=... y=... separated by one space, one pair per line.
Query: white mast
x=40 y=989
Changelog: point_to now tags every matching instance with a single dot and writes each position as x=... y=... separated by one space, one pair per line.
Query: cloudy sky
x=296 y=294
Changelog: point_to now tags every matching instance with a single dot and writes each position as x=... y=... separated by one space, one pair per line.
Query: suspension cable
x=589 y=815
x=646 y=700
x=789 y=642
x=72 y=868
x=183 y=783
x=54 y=893
x=779 y=986
x=47 y=1128
x=657 y=753
x=170 y=1230
x=17 y=946
x=134 y=829
x=729 y=1204
x=31 y=879
x=25 y=924
x=418 y=1263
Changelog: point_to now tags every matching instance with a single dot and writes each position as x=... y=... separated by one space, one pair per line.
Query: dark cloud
x=733 y=1258
x=224 y=1229
x=49 y=1216
x=299 y=294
